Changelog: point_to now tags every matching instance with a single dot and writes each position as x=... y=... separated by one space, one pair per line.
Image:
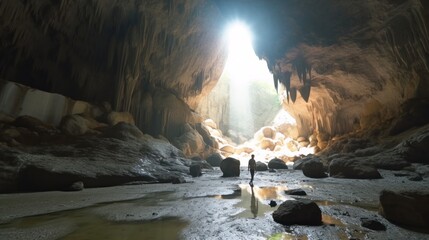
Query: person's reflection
x=253 y=204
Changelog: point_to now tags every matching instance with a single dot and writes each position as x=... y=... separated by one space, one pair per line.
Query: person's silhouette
x=253 y=204
x=252 y=168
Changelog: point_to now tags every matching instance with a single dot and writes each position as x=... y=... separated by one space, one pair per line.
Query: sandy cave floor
x=208 y=207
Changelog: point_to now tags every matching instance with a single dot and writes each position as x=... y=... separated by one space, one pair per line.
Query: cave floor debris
x=207 y=207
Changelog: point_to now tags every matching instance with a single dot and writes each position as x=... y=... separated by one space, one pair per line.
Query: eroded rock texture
x=340 y=66
x=128 y=53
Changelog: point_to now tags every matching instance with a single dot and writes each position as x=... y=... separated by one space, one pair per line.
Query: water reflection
x=254 y=204
x=258 y=197
x=85 y=223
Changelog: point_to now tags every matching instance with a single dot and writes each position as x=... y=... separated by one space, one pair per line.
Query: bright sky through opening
x=243 y=65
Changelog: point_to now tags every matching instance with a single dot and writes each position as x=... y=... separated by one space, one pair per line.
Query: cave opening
x=247 y=107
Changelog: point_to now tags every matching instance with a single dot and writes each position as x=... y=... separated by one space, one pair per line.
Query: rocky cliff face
x=120 y=52
x=341 y=65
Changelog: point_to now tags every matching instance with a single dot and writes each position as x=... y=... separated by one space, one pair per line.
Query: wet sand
x=208 y=207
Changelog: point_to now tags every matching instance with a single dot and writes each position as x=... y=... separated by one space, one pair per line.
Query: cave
x=129 y=120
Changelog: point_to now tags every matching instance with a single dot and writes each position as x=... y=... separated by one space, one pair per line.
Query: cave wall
x=115 y=51
x=341 y=65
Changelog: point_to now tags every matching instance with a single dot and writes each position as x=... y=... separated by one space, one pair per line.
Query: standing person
x=252 y=169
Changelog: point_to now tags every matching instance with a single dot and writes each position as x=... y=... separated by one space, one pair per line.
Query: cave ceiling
x=333 y=62
x=337 y=61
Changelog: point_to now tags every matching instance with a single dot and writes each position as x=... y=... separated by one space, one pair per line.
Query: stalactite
x=293 y=94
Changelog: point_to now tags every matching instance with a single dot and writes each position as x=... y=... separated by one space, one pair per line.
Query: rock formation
x=350 y=72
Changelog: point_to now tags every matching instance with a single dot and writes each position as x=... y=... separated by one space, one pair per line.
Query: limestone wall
x=18 y=100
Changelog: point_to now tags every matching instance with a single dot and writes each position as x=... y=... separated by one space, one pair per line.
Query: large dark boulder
x=349 y=168
x=260 y=166
x=313 y=169
x=298 y=164
x=215 y=159
x=406 y=208
x=301 y=212
x=277 y=163
x=230 y=167
x=195 y=170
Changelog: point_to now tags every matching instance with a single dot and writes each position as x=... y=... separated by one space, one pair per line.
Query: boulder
x=201 y=162
x=277 y=163
x=34 y=124
x=195 y=170
x=74 y=125
x=123 y=131
x=260 y=166
x=190 y=142
x=215 y=159
x=408 y=208
x=313 y=169
x=297 y=164
x=267 y=143
x=114 y=118
x=296 y=192
x=349 y=168
x=76 y=186
x=178 y=180
x=301 y=212
x=268 y=132
x=230 y=167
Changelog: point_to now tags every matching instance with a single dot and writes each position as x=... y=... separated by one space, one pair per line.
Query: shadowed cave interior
x=136 y=113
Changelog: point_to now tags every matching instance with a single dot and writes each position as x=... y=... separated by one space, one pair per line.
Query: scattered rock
x=271 y=170
x=260 y=166
x=76 y=186
x=178 y=180
x=301 y=212
x=297 y=192
x=313 y=169
x=406 y=208
x=272 y=203
x=74 y=125
x=230 y=167
x=277 y=163
x=195 y=170
x=215 y=159
x=349 y=168
x=267 y=143
x=372 y=224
